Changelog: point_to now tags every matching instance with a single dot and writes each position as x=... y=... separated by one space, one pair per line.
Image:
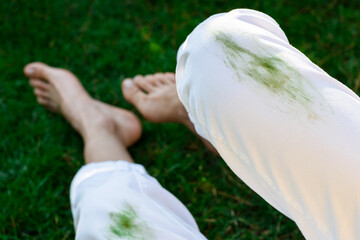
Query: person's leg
x=106 y=130
x=109 y=198
x=284 y=126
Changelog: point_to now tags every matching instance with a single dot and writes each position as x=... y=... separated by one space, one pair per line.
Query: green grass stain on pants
x=271 y=72
x=126 y=224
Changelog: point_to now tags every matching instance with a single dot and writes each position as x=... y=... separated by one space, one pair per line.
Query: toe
x=144 y=83
x=132 y=93
x=37 y=83
x=37 y=70
x=47 y=104
x=170 y=76
x=42 y=101
x=152 y=80
x=53 y=107
x=41 y=93
x=164 y=78
x=159 y=78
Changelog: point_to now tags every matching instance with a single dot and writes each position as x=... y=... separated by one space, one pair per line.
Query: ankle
x=186 y=121
x=90 y=120
x=98 y=124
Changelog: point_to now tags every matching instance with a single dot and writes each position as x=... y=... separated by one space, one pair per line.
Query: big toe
x=132 y=93
x=37 y=70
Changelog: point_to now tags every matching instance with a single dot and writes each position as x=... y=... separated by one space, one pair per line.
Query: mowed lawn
x=103 y=42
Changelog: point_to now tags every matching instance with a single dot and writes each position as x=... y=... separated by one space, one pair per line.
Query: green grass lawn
x=106 y=40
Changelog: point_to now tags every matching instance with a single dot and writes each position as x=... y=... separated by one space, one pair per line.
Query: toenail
x=29 y=70
x=128 y=83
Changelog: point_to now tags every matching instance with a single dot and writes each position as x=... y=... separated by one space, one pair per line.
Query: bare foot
x=156 y=99
x=59 y=91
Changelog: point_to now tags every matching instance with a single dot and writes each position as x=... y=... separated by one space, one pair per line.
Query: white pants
x=284 y=126
x=119 y=200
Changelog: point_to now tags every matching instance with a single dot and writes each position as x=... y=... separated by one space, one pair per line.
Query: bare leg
x=156 y=98
x=107 y=131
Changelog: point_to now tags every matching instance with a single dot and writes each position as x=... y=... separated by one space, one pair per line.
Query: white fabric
x=119 y=200
x=283 y=125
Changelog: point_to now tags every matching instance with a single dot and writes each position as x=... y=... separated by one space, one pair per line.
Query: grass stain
x=272 y=72
x=126 y=224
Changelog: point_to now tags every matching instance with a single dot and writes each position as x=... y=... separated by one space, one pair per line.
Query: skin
x=107 y=130
x=156 y=99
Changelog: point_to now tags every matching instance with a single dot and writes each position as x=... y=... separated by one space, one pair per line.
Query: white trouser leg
x=119 y=200
x=282 y=124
